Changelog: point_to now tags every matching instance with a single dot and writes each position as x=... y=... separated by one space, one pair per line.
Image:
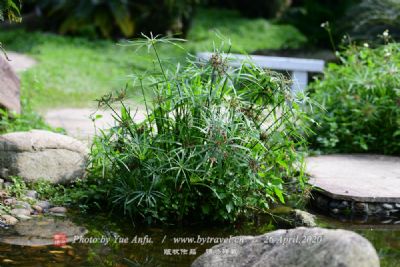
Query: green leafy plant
x=216 y=144
x=27 y=120
x=361 y=102
x=9 y=9
x=18 y=187
x=76 y=194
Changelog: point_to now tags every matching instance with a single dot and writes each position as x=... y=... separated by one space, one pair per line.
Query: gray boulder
x=299 y=247
x=43 y=204
x=41 y=154
x=20 y=211
x=9 y=87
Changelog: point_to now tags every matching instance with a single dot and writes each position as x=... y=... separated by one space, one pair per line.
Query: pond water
x=150 y=246
x=385 y=237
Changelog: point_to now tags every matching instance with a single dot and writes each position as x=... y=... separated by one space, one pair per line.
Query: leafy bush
x=361 y=101
x=110 y=18
x=10 y=9
x=372 y=17
x=18 y=187
x=308 y=15
x=216 y=143
x=255 y=8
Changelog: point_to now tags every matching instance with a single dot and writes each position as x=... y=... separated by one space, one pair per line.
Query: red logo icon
x=60 y=239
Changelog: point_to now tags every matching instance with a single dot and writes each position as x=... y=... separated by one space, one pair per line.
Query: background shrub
x=308 y=15
x=10 y=9
x=371 y=17
x=215 y=145
x=255 y=8
x=361 y=102
x=114 y=18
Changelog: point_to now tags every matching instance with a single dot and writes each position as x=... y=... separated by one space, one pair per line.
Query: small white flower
x=325 y=24
x=366 y=45
x=386 y=33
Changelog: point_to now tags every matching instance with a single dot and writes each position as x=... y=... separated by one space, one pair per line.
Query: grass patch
x=246 y=35
x=73 y=72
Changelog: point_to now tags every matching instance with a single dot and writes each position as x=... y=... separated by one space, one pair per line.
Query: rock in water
x=9 y=87
x=8 y=219
x=303 y=218
x=38 y=154
x=18 y=212
x=299 y=247
x=43 y=204
x=21 y=205
x=37 y=208
x=58 y=210
x=40 y=231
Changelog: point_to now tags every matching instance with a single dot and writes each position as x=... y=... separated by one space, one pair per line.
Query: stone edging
x=353 y=207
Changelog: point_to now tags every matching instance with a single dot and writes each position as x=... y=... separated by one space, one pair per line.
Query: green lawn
x=73 y=72
x=246 y=35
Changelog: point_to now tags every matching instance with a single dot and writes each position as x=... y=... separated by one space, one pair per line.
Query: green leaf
x=279 y=194
x=229 y=207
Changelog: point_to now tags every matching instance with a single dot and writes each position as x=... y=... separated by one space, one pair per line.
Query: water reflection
x=134 y=249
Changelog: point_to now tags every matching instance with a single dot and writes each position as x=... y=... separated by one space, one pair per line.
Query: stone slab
x=364 y=178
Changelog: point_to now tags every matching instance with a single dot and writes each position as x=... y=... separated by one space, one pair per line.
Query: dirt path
x=19 y=62
x=77 y=122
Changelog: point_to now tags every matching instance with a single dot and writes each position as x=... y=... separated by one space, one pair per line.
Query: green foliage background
x=74 y=71
x=114 y=18
x=360 y=101
x=10 y=9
